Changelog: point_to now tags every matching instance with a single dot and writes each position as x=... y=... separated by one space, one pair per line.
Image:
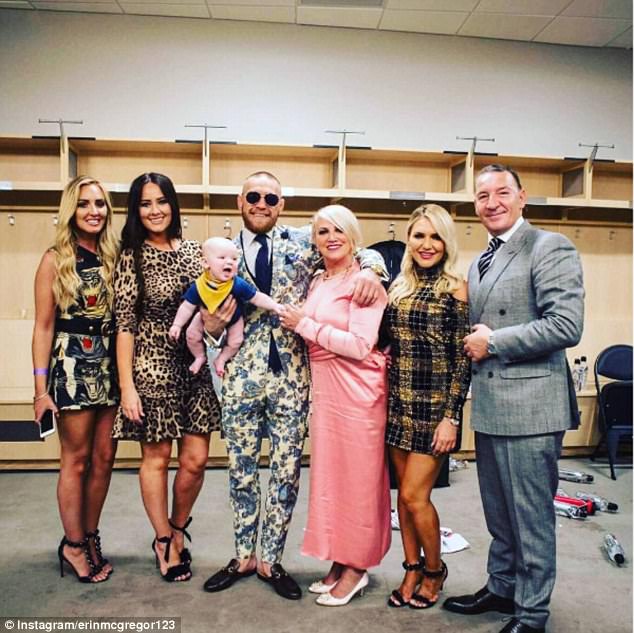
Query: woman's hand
x=445 y=437
x=42 y=405
x=131 y=405
x=290 y=316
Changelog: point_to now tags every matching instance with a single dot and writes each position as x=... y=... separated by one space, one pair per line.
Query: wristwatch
x=491 y=345
x=453 y=421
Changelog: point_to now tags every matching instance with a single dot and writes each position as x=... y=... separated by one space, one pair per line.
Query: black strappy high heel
x=102 y=562
x=426 y=603
x=186 y=555
x=172 y=574
x=83 y=545
x=396 y=600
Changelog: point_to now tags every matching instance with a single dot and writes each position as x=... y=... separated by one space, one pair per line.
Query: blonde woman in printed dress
x=161 y=400
x=74 y=369
x=426 y=321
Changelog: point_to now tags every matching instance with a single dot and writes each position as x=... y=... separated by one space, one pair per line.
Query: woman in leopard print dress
x=160 y=400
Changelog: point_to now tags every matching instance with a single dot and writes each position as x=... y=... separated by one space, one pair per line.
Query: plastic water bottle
x=600 y=502
x=576 y=374
x=576 y=476
x=583 y=373
x=457 y=464
x=613 y=549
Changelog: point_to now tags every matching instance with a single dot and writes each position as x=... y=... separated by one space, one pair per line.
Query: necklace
x=328 y=275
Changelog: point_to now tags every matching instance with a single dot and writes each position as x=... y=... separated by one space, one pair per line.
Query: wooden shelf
x=391 y=181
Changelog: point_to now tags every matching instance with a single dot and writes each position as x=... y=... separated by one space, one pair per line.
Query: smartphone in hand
x=47 y=423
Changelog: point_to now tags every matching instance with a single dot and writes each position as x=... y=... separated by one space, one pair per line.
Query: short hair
x=498 y=168
x=259 y=174
x=343 y=219
x=215 y=242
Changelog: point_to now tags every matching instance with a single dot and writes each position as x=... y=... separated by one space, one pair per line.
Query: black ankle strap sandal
x=83 y=545
x=186 y=555
x=102 y=561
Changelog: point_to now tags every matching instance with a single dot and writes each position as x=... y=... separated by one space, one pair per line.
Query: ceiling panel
x=253 y=3
x=504 y=26
x=88 y=7
x=259 y=14
x=358 y=18
x=522 y=7
x=56 y=2
x=600 y=9
x=582 y=31
x=568 y=22
x=15 y=4
x=624 y=40
x=432 y=5
x=440 y=22
x=174 y=2
x=172 y=9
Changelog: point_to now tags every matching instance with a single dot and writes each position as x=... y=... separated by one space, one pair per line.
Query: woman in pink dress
x=349 y=504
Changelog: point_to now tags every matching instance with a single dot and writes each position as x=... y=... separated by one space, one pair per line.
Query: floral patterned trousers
x=277 y=409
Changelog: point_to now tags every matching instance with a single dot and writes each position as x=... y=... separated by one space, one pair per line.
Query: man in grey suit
x=526 y=307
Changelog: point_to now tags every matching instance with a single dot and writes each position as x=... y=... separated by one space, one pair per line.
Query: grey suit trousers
x=518 y=478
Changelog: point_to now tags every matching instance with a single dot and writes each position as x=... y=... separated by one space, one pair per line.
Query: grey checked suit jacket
x=532 y=297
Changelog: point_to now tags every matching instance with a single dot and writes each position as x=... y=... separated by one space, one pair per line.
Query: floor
x=591 y=593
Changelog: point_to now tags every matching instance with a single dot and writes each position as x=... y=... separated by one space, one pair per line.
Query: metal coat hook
x=468 y=230
x=61 y=122
x=611 y=234
x=595 y=148
x=391 y=229
x=185 y=222
x=226 y=227
x=474 y=141
x=577 y=233
x=11 y=219
x=54 y=220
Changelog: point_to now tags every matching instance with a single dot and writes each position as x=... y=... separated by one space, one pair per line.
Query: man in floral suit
x=266 y=385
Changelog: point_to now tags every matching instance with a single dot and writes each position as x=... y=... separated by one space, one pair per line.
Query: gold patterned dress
x=430 y=373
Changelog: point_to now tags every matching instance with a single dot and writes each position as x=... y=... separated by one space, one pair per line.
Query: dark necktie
x=263 y=281
x=484 y=263
x=263 y=265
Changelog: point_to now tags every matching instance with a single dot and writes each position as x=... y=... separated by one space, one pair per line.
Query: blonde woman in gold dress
x=426 y=320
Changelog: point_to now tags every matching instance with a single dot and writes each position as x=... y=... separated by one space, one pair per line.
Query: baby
x=217 y=282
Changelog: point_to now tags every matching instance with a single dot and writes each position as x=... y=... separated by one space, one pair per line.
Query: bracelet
x=40 y=371
x=42 y=395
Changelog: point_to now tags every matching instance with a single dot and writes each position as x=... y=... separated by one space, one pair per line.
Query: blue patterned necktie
x=484 y=263
x=263 y=274
x=263 y=265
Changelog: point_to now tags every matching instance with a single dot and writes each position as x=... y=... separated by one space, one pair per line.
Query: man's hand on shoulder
x=476 y=344
x=367 y=288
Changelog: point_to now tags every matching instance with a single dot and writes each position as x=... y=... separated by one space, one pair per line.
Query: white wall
x=142 y=77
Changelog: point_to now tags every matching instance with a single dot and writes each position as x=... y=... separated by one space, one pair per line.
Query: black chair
x=614 y=398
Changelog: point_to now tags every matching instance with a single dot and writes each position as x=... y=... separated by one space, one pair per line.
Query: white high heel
x=328 y=600
x=320 y=587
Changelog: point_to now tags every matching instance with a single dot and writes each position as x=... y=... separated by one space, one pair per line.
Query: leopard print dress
x=174 y=402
